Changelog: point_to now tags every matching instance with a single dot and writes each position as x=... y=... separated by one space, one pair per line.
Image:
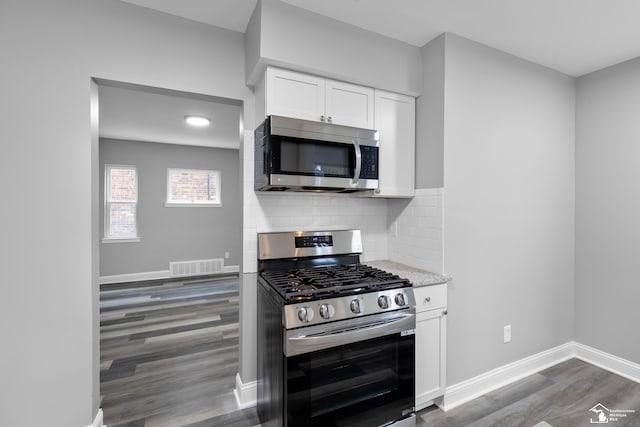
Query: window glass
x=121 y=200
x=123 y=186
x=122 y=220
x=188 y=186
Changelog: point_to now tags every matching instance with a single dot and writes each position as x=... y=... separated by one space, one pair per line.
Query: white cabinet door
x=292 y=94
x=395 y=118
x=306 y=97
x=349 y=105
x=431 y=330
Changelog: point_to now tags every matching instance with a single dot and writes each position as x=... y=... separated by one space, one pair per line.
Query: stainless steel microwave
x=301 y=155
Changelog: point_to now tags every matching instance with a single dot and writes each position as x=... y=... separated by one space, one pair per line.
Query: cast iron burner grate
x=330 y=281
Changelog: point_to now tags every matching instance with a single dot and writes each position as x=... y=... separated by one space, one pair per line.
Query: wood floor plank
x=155 y=350
x=164 y=382
x=154 y=327
x=169 y=354
x=218 y=355
x=560 y=396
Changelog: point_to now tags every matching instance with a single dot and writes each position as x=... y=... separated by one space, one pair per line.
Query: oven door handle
x=301 y=342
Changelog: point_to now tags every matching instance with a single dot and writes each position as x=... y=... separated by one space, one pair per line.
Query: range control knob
x=400 y=300
x=327 y=311
x=383 y=302
x=305 y=314
x=355 y=306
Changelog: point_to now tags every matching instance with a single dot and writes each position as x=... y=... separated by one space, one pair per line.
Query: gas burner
x=330 y=281
x=303 y=288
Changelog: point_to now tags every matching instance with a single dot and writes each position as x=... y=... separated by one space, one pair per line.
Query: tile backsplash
x=418 y=221
x=416 y=230
x=285 y=212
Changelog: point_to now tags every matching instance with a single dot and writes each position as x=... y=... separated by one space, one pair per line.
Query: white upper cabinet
x=306 y=97
x=349 y=105
x=296 y=95
x=395 y=119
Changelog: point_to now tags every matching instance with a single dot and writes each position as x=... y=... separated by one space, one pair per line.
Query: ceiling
x=575 y=37
x=140 y=113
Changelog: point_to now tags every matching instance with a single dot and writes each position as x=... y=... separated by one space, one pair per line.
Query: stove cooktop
x=330 y=281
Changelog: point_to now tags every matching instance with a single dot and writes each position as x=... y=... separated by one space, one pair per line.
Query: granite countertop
x=417 y=276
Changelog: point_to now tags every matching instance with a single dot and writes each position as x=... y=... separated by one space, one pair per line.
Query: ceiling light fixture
x=197 y=120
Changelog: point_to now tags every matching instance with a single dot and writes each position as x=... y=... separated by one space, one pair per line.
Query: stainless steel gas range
x=336 y=338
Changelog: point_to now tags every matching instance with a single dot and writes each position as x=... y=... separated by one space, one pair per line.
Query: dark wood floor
x=169 y=354
x=560 y=396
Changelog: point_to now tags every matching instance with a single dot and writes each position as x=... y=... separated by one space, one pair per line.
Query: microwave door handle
x=356 y=172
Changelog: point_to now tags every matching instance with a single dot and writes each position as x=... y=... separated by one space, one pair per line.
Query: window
x=190 y=187
x=121 y=202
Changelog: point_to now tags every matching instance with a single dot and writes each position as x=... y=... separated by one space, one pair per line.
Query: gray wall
x=296 y=38
x=173 y=233
x=430 y=117
x=608 y=210
x=252 y=43
x=508 y=207
x=50 y=50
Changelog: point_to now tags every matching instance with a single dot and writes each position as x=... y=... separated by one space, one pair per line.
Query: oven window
x=360 y=384
x=304 y=157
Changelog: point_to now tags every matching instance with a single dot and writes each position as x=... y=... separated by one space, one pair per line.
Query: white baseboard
x=156 y=275
x=134 y=277
x=472 y=388
x=607 y=361
x=231 y=269
x=246 y=393
x=98 y=420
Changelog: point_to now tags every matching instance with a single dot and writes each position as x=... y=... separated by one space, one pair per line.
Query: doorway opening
x=170 y=198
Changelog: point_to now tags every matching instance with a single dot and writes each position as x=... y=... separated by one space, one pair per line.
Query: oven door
x=357 y=373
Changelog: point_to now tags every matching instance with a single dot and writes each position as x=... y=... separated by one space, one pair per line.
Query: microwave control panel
x=369 y=169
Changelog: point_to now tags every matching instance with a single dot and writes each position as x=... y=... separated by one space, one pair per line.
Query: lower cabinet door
x=430 y=356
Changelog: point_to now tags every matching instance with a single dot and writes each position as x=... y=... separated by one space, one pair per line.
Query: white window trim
x=121 y=240
x=107 y=195
x=190 y=203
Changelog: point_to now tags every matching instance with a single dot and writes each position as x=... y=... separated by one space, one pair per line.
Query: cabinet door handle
x=445 y=312
x=322 y=118
x=427 y=299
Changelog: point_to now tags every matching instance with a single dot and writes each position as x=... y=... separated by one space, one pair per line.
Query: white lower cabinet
x=431 y=329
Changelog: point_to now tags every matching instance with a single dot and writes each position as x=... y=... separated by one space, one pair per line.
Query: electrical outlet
x=226 y=255
x=507 y=333
x=394 y=229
